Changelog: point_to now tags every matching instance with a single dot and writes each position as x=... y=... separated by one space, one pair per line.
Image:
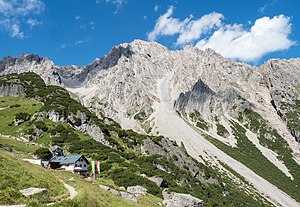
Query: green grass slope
x=16 y=174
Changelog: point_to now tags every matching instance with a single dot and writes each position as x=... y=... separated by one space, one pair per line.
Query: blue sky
x=78 y=31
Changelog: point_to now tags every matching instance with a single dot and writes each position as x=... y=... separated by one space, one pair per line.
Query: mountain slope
x=250 y=113
x=46 y=115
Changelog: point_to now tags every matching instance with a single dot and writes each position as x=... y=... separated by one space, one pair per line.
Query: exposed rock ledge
x=11 y=90
x=181 y=200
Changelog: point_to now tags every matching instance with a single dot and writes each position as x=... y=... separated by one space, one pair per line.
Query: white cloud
x=116 y=2
x=13 y=8
x=81 y=41
x=77 y=17
x=12 y=27
x=33 y=22
x=265 y=36
x=166 y=25
x=263 y=8
x=13 y=13
x=16 y=32
x=188 y=29
x=63 y=46
x=195 y=28
x=267 y=6
x=231 y=40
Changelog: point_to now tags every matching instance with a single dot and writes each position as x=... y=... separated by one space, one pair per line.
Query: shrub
x=15 y=106
x=22 y=116
x=41 y=125
x=43 y=153
x=221 y=130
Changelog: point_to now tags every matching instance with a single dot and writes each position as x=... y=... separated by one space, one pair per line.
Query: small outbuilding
x=75 y=163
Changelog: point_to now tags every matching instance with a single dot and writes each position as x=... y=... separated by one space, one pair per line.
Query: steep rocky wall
x=11 y=90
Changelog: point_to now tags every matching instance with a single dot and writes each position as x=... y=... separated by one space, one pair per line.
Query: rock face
x=201 y=80
x=11 y=90
x=137 y=190
x=173 y=152
x=28 y=62
x=181 y=200
x=123 y=194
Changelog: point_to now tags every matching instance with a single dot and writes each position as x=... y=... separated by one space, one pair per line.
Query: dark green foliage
x=221 y=130
x=247 y=153
x=156 y=139
x=123 y=177
x=270 y=138
x=141 y=116
x=15 y=106
x=175 y=157
x=202 y=125
x=43 y=153
x=22 y=116
x=41 y=125
x=196 y=117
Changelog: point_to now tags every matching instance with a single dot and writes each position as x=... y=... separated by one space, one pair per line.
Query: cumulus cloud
x=193 y=29
x=166 y=25
x=231 y=40
x=265 y=36
x=188 y=29
x=14 y=12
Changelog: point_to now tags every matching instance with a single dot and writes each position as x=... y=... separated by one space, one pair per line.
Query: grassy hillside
x=16 y=175
x=89 y=194
x=121 y=162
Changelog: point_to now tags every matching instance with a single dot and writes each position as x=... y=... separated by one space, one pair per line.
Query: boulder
x=137 y=190
x=181 y=200
x=113 y=191
x=123 y=194
x=7 y=148
x=157 y=180
x=104 y=187
x=129 y=196
x=32 y=191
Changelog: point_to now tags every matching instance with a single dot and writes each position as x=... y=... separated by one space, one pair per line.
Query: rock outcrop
x=11 y=90
x=123 y=194
x=137 y=190
x=33 y=191
x=181 y=200
x=29 y=62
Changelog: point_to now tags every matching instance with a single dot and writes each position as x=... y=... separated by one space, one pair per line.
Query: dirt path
x=72 y=193
x=169 y=124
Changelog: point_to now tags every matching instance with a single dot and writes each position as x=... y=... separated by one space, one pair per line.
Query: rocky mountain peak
x=30 y=62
